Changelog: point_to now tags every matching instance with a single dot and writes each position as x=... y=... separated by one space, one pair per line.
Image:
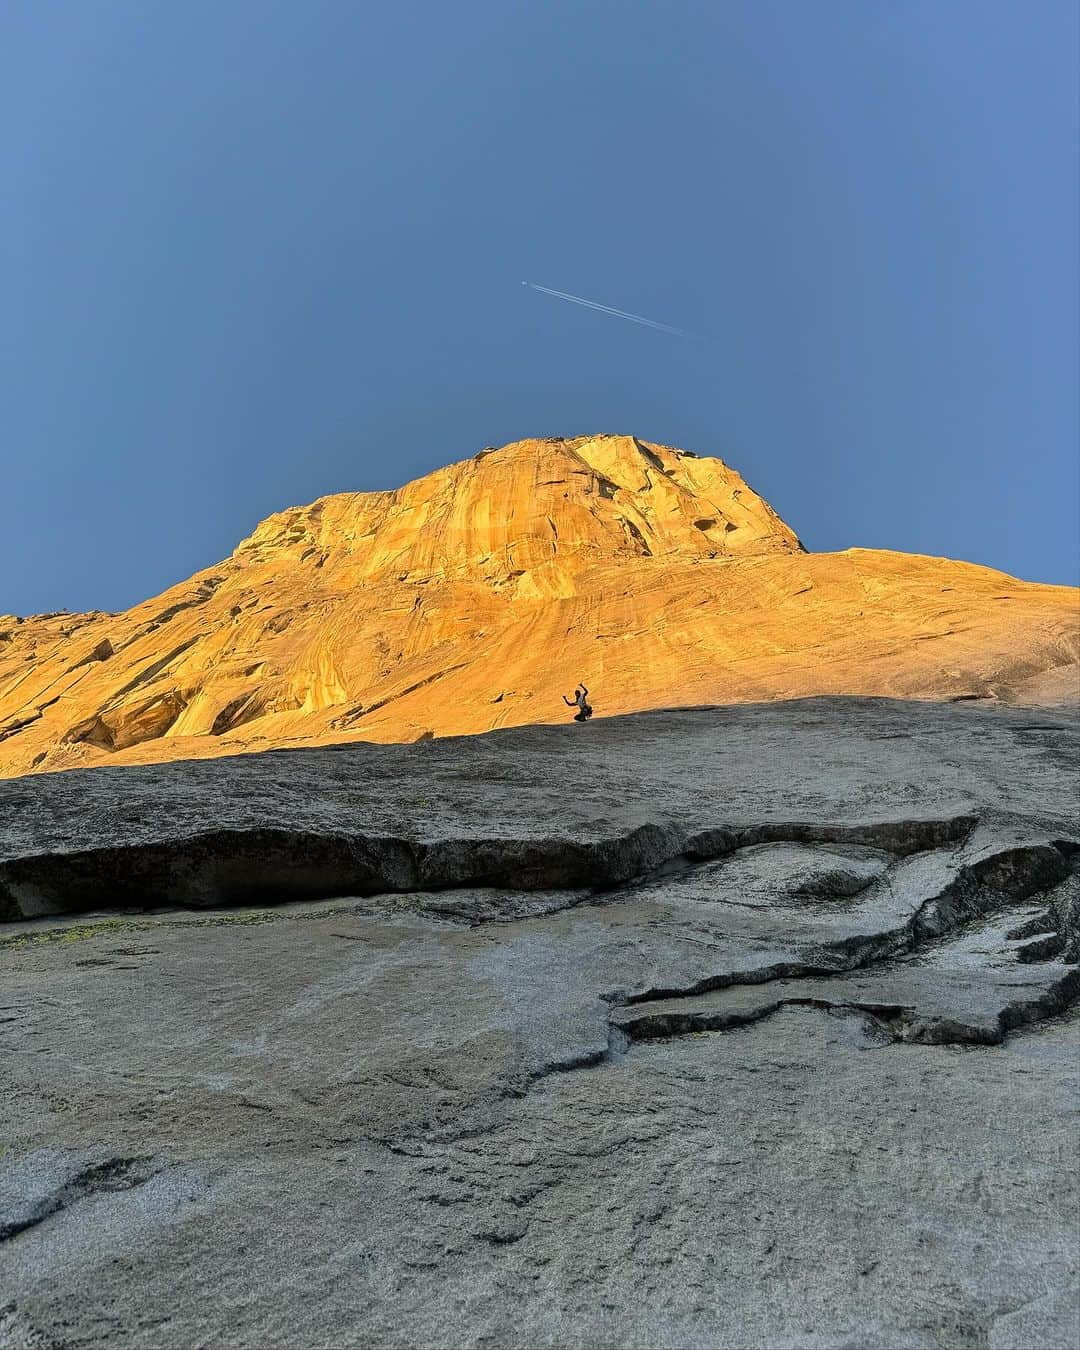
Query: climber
x=580 y=702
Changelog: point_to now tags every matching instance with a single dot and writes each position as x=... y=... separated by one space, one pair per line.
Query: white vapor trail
x=616 y=313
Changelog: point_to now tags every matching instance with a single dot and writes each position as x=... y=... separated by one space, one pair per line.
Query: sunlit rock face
x=476 y=596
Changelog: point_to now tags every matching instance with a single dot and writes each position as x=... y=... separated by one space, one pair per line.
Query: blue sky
x=254 y=252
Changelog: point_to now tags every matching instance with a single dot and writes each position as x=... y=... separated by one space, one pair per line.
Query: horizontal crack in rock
x=903 y=1021
x=274 y=865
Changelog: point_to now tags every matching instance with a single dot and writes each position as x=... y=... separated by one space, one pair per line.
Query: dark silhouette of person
x=580 y=701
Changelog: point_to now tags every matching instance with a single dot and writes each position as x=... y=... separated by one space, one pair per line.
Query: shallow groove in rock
x=114 y=1174
x=977 y=889
x=1017 y=872
x=899 y=837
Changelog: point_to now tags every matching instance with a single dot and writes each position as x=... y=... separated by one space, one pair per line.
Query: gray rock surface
x=728 y=1027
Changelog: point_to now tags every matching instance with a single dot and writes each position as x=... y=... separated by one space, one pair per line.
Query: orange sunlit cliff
x=475 y=597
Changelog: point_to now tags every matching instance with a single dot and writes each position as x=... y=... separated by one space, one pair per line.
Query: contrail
x=617 y=313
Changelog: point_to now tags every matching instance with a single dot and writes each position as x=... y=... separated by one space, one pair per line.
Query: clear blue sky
x=254 y=252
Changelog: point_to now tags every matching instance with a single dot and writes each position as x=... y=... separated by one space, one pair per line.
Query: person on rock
x=580 y=702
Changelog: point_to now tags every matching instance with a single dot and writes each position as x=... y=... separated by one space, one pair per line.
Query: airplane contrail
x=616 y=313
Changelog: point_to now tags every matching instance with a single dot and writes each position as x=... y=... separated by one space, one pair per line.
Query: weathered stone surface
x=760 y=1031
x=476 y=596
